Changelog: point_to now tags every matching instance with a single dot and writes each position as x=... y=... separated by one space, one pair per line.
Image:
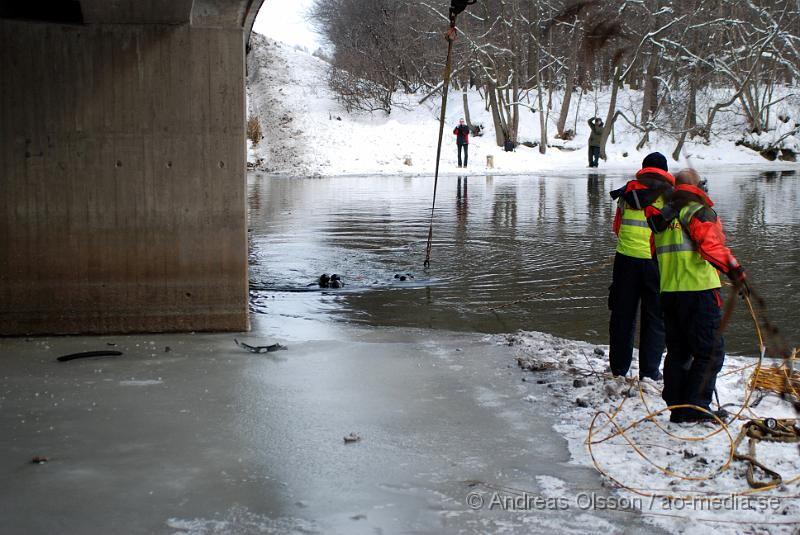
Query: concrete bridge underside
x=122 y=165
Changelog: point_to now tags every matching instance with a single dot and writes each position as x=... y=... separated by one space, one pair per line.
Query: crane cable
x=450 y=35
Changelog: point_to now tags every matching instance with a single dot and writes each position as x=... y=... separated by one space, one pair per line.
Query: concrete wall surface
x=122 y=178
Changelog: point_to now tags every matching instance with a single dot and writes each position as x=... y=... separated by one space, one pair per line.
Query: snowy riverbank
x=575 y=373
x=307 y=132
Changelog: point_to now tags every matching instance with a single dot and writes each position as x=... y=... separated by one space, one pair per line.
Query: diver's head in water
x=324 y=280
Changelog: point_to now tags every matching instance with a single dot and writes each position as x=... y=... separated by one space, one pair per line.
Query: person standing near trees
x=462 y=140
x=595 y=139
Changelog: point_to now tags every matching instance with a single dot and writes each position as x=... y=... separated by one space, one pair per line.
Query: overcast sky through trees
x=284 y=20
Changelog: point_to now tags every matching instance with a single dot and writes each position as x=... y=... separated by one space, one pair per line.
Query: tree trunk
x=606 y=69
x=502 y=108
x=612 y=109
x=542 y=118
x=499 y=127
x=691 y=113
x=577 y=111
x=465 y=99
x=750 y=108
x=466 y=108
x=531 y=63
x=649 y=98
x=650 y=95
x=768 y=98
x=508 y=118
x=634 y=76
x=691 y=119
x=516 y=49
x=569 y=84
x=677 y=152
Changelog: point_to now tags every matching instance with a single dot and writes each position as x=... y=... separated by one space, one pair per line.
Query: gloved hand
x=738 y=276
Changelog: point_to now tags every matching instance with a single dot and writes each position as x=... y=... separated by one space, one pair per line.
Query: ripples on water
x=496 y=239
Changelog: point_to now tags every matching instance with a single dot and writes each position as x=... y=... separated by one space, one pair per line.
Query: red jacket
x=650 y=183
x=462 y=131
x=705 y=227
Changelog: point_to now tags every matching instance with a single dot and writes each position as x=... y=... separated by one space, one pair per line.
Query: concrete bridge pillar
x=122 y=166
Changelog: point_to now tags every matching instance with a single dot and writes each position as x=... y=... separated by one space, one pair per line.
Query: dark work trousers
x=466 y=153
x=694 y=352
x=635 y=282
x=594 y=156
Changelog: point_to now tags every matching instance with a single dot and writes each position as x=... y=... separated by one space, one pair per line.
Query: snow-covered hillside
x=307 y=132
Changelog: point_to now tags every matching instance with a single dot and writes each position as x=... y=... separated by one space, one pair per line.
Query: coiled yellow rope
x=779 y=379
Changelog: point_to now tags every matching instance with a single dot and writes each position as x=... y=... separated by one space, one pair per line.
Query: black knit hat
x=655 y=159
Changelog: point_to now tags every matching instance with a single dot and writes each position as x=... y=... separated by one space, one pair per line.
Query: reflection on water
x=496 y=239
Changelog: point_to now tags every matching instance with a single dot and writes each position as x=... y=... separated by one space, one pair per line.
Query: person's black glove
x=738 y=276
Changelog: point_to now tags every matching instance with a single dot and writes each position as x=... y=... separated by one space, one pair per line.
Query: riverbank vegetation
x=689 y=63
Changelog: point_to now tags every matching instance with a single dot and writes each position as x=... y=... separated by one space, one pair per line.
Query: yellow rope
x=781 y=379
x=778 y=379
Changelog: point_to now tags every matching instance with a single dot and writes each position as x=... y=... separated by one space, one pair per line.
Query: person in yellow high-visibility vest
x=690 y=246
x=634 y=283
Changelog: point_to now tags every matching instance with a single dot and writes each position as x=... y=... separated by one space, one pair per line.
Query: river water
x=496 y=239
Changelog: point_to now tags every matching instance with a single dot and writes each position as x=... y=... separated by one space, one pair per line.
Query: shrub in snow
x=254 y=130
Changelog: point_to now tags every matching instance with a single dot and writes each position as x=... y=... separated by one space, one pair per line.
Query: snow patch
x=552 y=487
x=719 y=498
x=238 y=520
x=142 y=382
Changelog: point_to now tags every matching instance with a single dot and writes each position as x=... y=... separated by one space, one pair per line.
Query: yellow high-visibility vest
x=634 y=233
x=682 y=268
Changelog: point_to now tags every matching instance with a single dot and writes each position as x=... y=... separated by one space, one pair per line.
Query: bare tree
x=690 y=60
